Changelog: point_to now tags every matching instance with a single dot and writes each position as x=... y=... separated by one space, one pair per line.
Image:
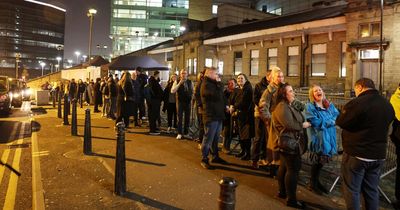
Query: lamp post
x=77 y=53
x=58 y=63
x=381 y=51
x=90 y=14
x=42 y=64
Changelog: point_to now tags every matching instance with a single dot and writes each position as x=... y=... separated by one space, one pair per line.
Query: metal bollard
x=87 y=137
x=74 y=120
x=59 y=105
x=120 y=168
x=65 y=110
x=227 y=198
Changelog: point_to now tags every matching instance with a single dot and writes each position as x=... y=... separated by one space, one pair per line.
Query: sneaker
x=154 y=133
x=219 y=160
x=179 y=136
x=205 y=164
x=262 y=162
x=296 y=204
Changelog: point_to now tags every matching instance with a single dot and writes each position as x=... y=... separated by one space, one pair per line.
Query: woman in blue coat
x=322 y=134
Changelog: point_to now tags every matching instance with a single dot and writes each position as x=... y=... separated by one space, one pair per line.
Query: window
x=293 y=61
x=195 y=66
x=221 y=67
x=342 y=71
x=237 y=69
x=369 y=54
x=272 y=58
x=214 y=9
x=189 y=65
x=277 y=11
x=208 y=62
x=318 y=60
x=369 y=30
x=254 y=62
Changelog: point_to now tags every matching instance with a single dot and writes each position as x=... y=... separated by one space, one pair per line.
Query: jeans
x=113 y=107
x=210 y=141
x=258 y=147
x=154 y=113
x=142 y=110
x=361 y=177
x=201 y=125
x=228 y=132
x=171 y=112
x=106 y=106
x=288 y=174
x=183 y=108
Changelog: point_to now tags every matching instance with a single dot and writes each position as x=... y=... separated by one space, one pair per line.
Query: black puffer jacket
x=365 y=122
x=212 y=98
x=244 y=108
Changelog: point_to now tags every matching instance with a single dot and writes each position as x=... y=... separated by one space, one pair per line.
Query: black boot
x=247 y=147
x=273 y=170
x=243 y=150
x=319 y=185
x=313 y=184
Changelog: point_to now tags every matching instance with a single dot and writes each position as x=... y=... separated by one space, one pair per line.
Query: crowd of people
x=274 y=128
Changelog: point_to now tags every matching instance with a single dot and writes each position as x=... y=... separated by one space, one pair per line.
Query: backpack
x=148 y=92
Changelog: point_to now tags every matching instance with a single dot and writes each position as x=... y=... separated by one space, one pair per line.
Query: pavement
x=162 y=172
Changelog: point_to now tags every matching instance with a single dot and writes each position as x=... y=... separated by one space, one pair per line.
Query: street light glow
x=182 y=28
x=77 y=53
x=92 y=11
x=58 y=58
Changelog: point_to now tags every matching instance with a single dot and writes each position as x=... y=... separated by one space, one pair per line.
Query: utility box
x=42 y=97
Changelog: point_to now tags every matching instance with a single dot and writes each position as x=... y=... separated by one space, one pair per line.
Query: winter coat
x=112 y=87
x=243 y=105
x=322 y=133
x=97 y=93
x=268 y=101
x=156 y=90
x=286 y=120
x=365 y=122
x=258 y=91
x=72 y=90
x=137 y=96
x=212 y=98
x=125 y=107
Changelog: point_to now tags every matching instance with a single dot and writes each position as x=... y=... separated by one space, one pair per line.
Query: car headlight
x=15 y=95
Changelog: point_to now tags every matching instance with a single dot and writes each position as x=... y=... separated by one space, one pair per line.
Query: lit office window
x=221 y=67
x=318 y=60
x=154 y=3
x=342 y=72
x=293 y=61
x=189 y=66
x=272 y=58
x=238 y=63
x=195 y=66
x=208 y=62
x=254 y=62
x=214 y=9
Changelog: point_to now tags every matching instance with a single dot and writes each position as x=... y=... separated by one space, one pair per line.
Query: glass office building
x=136 y=24
x=34 y=31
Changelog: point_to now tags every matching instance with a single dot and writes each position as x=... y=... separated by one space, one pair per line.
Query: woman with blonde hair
x=322 y=134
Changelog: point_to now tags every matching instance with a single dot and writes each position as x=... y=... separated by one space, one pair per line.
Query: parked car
x=5 y=99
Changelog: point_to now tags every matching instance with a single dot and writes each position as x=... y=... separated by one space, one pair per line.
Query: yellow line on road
x=6 y=153
x=37 y=186
x=9 y=202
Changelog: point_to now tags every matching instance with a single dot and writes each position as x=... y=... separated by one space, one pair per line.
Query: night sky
x=77 y=26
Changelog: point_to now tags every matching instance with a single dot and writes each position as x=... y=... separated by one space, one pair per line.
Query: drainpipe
x=304 y=75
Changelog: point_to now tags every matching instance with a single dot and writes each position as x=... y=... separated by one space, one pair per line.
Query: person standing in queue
x=155 y=95
x=288 y=122
x=214 y=108
x=365 y=123
x=322 y=134
x=183 y=87
x=243 y=107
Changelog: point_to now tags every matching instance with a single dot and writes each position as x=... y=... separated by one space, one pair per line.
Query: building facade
x=31 y=33
x=332 y=47
x=137 y=24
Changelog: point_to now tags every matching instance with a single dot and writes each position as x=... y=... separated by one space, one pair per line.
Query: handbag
x=289 y=145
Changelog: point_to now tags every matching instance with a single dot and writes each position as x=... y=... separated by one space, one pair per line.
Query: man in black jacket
x=365 y=122
x=214 y=107
x=259 y=147
x=97 y=95
x=154 y=103
x=112 y=88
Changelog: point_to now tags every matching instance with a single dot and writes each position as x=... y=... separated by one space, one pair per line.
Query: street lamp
x=77 y=53
x=58 y=62
x=42 y=64
x=84 y=58
x=90 y=14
